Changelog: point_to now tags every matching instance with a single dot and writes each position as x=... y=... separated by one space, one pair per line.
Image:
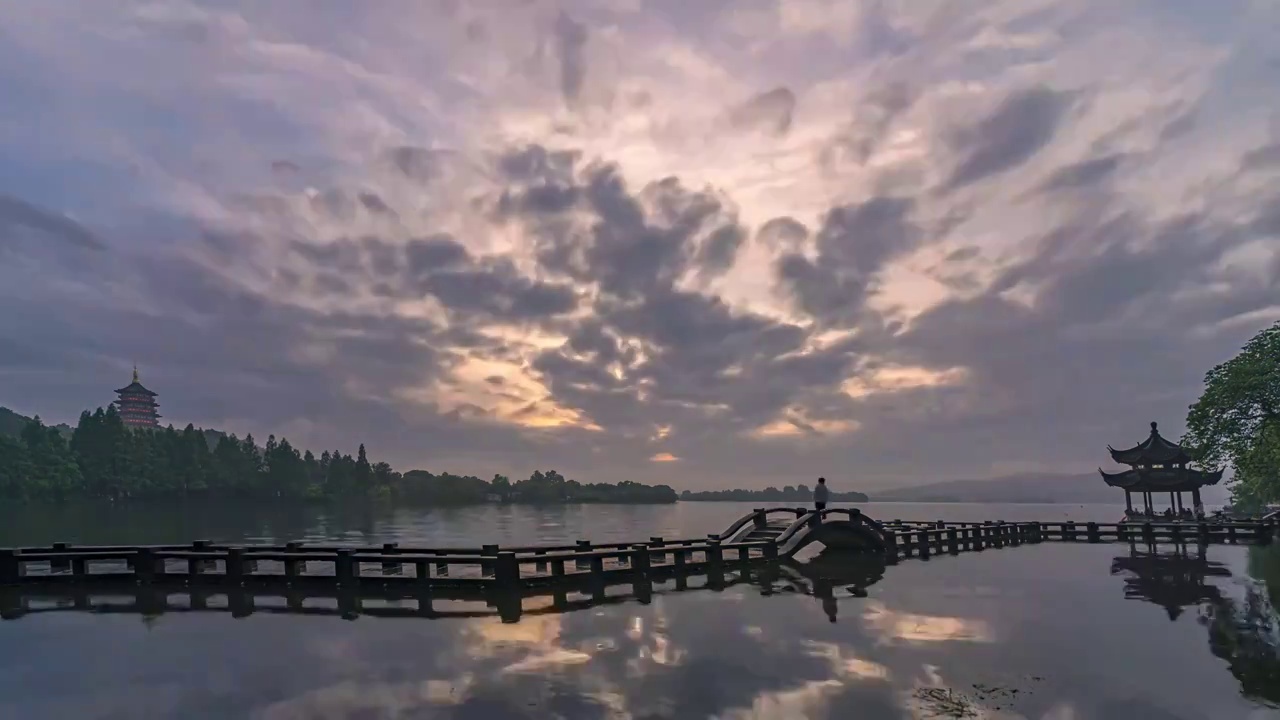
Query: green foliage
x=1236 y=421
x=106 y=459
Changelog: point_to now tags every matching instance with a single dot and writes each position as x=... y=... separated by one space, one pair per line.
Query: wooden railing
x=582 y=564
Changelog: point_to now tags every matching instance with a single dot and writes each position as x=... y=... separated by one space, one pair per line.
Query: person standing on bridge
x=820 y=494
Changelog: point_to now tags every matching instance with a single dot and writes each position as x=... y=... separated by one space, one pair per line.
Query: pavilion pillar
x=1171 y=501
x=1195 y=498
x=1128 y=502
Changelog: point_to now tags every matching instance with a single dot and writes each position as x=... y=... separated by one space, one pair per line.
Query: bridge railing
x=491 y=566
x=758 y=517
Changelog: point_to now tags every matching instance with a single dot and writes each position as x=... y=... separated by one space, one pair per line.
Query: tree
x=1236 y=421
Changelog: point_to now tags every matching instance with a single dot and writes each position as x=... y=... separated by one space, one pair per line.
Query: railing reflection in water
x=817 y=578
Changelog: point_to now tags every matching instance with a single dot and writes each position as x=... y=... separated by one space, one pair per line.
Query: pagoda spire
x=135 y=372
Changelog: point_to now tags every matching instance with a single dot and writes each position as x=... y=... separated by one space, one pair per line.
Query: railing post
x=771 y=550
x=193 y=564
x=344 y=567
x=659 y=556
x=583 y=546
x=922 y=538
x=391 y=567
x=715 y=557
x=640 y=560
x=235 y=565
x=144 y=565
x=292 y=567
x=59 y=564
x=953 y=542
x=758 y=517
x=1202 y=530
x=1263 y=534
x=507 y=572
x=1231 y=533
x=507 y=596
x=10 y=567
x=486 y=567
x=1094 y=537
x=1148 y=533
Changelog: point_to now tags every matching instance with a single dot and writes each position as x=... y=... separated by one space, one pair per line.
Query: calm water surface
x=1053 y=631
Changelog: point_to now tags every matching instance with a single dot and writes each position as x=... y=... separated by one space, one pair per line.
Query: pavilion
x=1158 y=466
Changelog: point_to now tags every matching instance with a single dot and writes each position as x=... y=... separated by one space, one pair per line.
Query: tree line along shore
x=104 y=459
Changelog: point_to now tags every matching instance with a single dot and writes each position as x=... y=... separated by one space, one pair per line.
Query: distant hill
x=11 y=424
x=1029 y=488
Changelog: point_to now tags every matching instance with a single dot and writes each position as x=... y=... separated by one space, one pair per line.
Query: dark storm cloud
x=962 y=254
x=535 y=163
x=769 y=111
x=1264 y=157
x=438 y=252
x=421 y=165
x=783 y=234
x=627 y=252
x=440 y=267
x=854 y=243
x=571 y=45
x=500 y=291
x=1083 y=174
x=1014 y=132
x=720 y=249
x=18 y=217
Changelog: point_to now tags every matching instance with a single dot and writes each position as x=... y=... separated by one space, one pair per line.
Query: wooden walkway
x=490 y=572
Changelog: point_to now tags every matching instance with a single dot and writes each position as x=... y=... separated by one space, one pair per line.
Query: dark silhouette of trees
x=105 y=459
x=796 y=493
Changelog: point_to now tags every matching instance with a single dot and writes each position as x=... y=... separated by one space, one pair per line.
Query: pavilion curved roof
x=135 y=388
x=1161 y=480
x=1154 y=450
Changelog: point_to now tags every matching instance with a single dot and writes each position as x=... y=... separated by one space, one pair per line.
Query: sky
x=710 y=244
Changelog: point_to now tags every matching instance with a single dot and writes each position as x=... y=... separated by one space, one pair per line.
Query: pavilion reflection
x=1241 y=617
x=1173 y=577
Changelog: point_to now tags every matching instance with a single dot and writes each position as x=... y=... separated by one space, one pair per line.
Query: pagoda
x=1157 y=465
x=137 y=405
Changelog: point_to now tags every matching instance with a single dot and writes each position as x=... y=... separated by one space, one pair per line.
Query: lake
x=1051 y=631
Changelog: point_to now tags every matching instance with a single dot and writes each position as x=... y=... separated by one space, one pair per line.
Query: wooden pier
x=505 y=575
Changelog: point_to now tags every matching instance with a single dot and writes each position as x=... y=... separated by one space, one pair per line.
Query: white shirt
x=820 y=493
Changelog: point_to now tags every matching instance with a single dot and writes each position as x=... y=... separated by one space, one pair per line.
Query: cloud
x=1020 y=126
x=920 y=241
x=18 y=217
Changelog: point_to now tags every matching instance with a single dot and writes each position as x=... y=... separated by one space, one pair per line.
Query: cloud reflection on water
x=760 y=652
